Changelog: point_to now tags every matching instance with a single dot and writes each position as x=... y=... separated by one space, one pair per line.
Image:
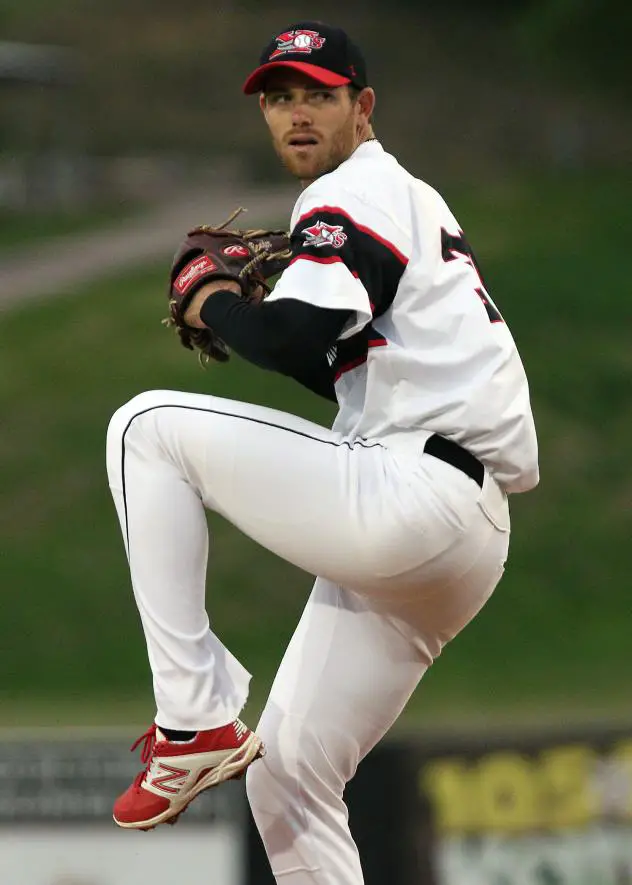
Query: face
x=314 y=128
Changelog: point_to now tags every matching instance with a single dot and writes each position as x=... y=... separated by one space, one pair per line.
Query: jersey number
x=454 y=246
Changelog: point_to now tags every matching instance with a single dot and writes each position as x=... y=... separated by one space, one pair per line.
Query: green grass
x=19 y=228
x=554 y=640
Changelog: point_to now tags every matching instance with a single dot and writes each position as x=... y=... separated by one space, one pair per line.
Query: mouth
x=302 y=141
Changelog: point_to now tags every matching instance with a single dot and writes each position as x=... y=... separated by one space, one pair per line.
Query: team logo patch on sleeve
x=298 y=41
x=193 y=271
x=323 y=234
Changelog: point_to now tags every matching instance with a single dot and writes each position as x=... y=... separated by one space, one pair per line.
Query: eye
x=277 y=98
x=323 y=95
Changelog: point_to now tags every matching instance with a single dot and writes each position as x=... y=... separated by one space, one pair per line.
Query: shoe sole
x=233 y=767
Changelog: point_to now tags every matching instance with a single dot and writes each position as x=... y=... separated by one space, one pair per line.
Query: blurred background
x=122 y=125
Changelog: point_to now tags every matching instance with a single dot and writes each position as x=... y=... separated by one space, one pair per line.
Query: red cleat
x=175 y=773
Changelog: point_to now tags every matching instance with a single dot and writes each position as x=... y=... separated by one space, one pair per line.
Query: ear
x=366 y=103
x=263 y=105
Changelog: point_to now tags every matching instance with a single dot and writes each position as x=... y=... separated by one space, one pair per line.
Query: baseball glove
x=249 y=257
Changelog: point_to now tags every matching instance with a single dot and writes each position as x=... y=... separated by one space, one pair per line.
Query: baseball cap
x=324 y=53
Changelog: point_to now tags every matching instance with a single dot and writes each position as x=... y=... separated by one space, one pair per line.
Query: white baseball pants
x=406 y=548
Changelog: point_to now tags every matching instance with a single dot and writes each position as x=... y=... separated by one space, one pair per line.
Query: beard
x=311 y=163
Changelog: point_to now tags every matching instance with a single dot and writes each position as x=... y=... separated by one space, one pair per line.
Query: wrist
x=192 y=313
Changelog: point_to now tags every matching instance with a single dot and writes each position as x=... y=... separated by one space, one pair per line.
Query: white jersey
x=426 y=350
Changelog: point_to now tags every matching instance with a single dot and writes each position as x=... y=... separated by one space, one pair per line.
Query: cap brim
x=256 y=80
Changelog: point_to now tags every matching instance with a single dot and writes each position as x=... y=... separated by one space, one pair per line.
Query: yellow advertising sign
x=506 y=791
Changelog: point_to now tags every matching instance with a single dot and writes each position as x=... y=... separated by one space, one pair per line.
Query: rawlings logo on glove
x=193 y=271
x=236 y=249
x=250 y=258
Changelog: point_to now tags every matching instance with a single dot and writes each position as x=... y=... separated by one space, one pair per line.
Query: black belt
x=454 y=454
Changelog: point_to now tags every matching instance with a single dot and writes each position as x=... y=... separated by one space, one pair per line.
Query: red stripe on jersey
x=348 y=366
x=353 y=364
x=336 y=210
x=317 y=259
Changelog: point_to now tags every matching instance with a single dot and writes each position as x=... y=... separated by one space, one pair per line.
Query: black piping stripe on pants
x=326 y=442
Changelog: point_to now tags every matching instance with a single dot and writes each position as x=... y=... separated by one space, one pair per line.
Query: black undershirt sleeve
x=286 y=336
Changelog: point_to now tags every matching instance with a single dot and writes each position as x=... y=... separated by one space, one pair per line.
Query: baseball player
x=399 y=510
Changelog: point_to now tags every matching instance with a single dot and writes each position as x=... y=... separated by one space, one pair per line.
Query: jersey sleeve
x=347 y=254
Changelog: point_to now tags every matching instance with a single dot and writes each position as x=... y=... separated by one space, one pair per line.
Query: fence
x=541 y=808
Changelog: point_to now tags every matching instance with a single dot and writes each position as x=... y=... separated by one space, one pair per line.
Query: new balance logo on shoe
x=160 y=775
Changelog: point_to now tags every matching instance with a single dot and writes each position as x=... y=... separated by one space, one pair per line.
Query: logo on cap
x=297 y=41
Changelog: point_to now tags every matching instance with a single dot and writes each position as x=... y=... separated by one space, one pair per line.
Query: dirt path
x=61 y=264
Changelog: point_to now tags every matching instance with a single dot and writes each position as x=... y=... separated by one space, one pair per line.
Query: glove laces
x=262 y=254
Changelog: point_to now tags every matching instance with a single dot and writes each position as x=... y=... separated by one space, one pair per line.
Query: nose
x=300 y=114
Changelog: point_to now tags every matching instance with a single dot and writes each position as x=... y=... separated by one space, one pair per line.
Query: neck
x=368 y=135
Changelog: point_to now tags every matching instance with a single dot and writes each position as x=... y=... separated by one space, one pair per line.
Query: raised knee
x=137 y=406
x=130 y=414
x=122 y=423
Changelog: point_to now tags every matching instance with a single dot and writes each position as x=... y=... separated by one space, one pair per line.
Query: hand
x=192 y=313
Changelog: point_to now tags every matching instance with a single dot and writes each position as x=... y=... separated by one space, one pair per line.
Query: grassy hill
x=553 y=641
x=19 y=228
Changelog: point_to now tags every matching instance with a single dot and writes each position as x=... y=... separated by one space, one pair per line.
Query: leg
x=335 y=695
x=346 y=676
x=348 y=513
x=169 y=455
